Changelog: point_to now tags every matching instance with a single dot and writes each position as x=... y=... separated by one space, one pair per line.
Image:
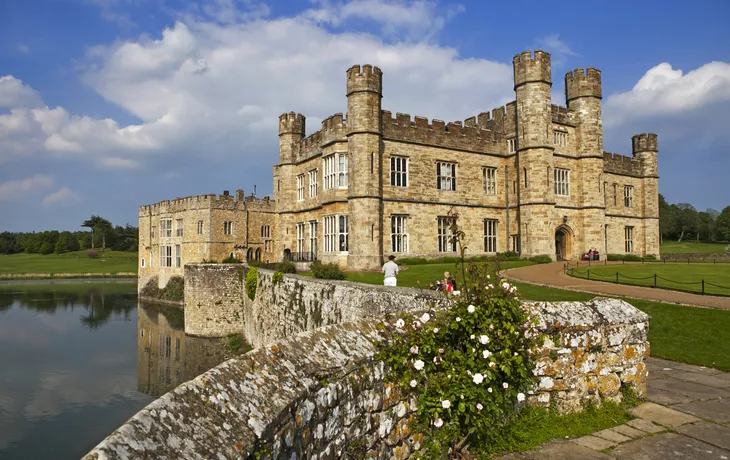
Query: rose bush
x=469 y=361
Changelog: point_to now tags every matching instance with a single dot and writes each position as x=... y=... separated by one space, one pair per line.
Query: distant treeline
x=682 y=221
x=102 y=235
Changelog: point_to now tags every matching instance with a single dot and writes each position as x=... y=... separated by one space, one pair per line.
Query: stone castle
x=529 y=177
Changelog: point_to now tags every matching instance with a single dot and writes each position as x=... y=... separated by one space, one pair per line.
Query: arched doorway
x=249 y=254
x=563 y=242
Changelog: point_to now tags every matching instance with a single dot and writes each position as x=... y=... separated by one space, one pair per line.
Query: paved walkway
x=687 y=416
x=552 y=275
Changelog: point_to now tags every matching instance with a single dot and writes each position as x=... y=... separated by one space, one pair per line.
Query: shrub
x=509 y=255
x=206 y=261
x=174 y=290
x=541 y=259
x=92 y=254
x=412 y=261
x=649 y=257
x=330 y=271
x=277 y=277
x=468 y=364
x=252 y=279
x=151 y=289
x=286 y=267
x=231 y=259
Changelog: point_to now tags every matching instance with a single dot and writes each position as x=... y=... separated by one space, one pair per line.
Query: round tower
x=534 y=146
x=291 y=131
x=364 y=94
x=583 y=96
x=645 y=148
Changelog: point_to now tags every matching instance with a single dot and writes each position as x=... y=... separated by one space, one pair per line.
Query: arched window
x=249 y=254
x=258 y=254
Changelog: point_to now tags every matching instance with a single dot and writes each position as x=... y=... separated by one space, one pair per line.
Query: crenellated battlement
x=334 y=128
x=621 y=164
x=469 y=135
x=563 y=115
x=532 y=68
x=307 y=147
x=583 y=83
x=644 y=143
x=208 y=201
x=292 y=123
x=366 y=78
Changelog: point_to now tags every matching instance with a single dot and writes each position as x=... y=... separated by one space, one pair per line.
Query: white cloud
x=208 y=89
x=22 y=48
x=13 y=93
x=558 y=48
x=61 y=197
x=665 y=92
x=14 y=189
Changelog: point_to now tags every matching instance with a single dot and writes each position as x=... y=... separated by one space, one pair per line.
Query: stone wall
x=699 y=256
x=320 y=394
x=216 y=303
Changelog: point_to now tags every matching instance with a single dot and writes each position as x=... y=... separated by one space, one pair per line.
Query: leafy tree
x=665 y=217
x=685 y=220
x=94 y=223
x=62 y=243
x=46 y=248
x=722 y=225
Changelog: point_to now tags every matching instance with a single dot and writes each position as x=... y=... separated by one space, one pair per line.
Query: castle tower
x=291 y=132
x=533 y=79
x=645 y=149
x=583 y=95
x=364 y=94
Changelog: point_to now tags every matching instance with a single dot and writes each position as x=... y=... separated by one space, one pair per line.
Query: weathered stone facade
x=320 y=394
x=216 y=303
x=213 y=228
x=349 y=172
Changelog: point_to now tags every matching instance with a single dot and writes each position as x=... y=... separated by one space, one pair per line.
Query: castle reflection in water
x=166 y=357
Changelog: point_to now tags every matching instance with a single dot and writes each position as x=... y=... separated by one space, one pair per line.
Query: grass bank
x=114 y=263
x=687 y=278
x=692 y=247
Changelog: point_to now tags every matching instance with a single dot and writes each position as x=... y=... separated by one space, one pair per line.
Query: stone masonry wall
x=320 y=394
x=216 y=303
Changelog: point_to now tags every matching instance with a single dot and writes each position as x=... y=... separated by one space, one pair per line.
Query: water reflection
x=166 y=357
x=69 y=371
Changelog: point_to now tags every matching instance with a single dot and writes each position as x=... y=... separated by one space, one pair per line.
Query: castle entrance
x=563 y=242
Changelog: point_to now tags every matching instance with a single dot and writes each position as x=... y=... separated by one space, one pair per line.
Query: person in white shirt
x=390 y=272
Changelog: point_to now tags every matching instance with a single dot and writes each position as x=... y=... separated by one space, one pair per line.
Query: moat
x=79 y=359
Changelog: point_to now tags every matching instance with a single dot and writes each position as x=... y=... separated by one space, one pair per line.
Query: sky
x=106 y=105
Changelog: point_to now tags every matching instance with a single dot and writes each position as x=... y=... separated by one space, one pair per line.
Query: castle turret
x=645 y=148
x=533 y=80
x=291 y=131
x=364 y=94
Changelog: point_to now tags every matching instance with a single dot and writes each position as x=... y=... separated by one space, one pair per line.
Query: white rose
x=414 y=349
x=486 y=354
x=413 y=383
x=484 y=339
x=505 y=385
x=478 y=378
x=491 y=286
x=479 y=406
x=505 y=285
x=472 y=336
x=425 y=317
x=458 y=320
x=418 y=364
x=491 y=327
x=492 y=364
x=416 y=325
x=520 y=397
x=489 y=389
x=446 y=404
x=435 y=330
x=471 y=308
x=488 y=277
x=400 y=323
x=438 y=423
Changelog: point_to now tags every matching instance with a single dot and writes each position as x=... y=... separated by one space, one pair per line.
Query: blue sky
x=109 y=104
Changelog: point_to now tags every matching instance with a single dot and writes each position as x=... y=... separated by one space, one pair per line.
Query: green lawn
x=689 y=247
x=691 y=335
x=669 y=276
x=72 y=262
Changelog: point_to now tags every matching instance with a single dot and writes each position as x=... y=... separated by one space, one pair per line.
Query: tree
x=62 y=243
x=94 y=223
x=46 y=248
x=722 y=225
x=686 y=219
x=665 y=217
x=712 y=213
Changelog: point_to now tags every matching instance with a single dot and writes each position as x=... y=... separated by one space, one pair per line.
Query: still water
x=77 y=360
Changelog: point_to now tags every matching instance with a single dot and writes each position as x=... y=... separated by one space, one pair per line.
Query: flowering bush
x=469 y=364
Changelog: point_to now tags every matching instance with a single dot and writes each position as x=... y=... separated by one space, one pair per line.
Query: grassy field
x=680 y=276
x=689 y=247
x=71 y=262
